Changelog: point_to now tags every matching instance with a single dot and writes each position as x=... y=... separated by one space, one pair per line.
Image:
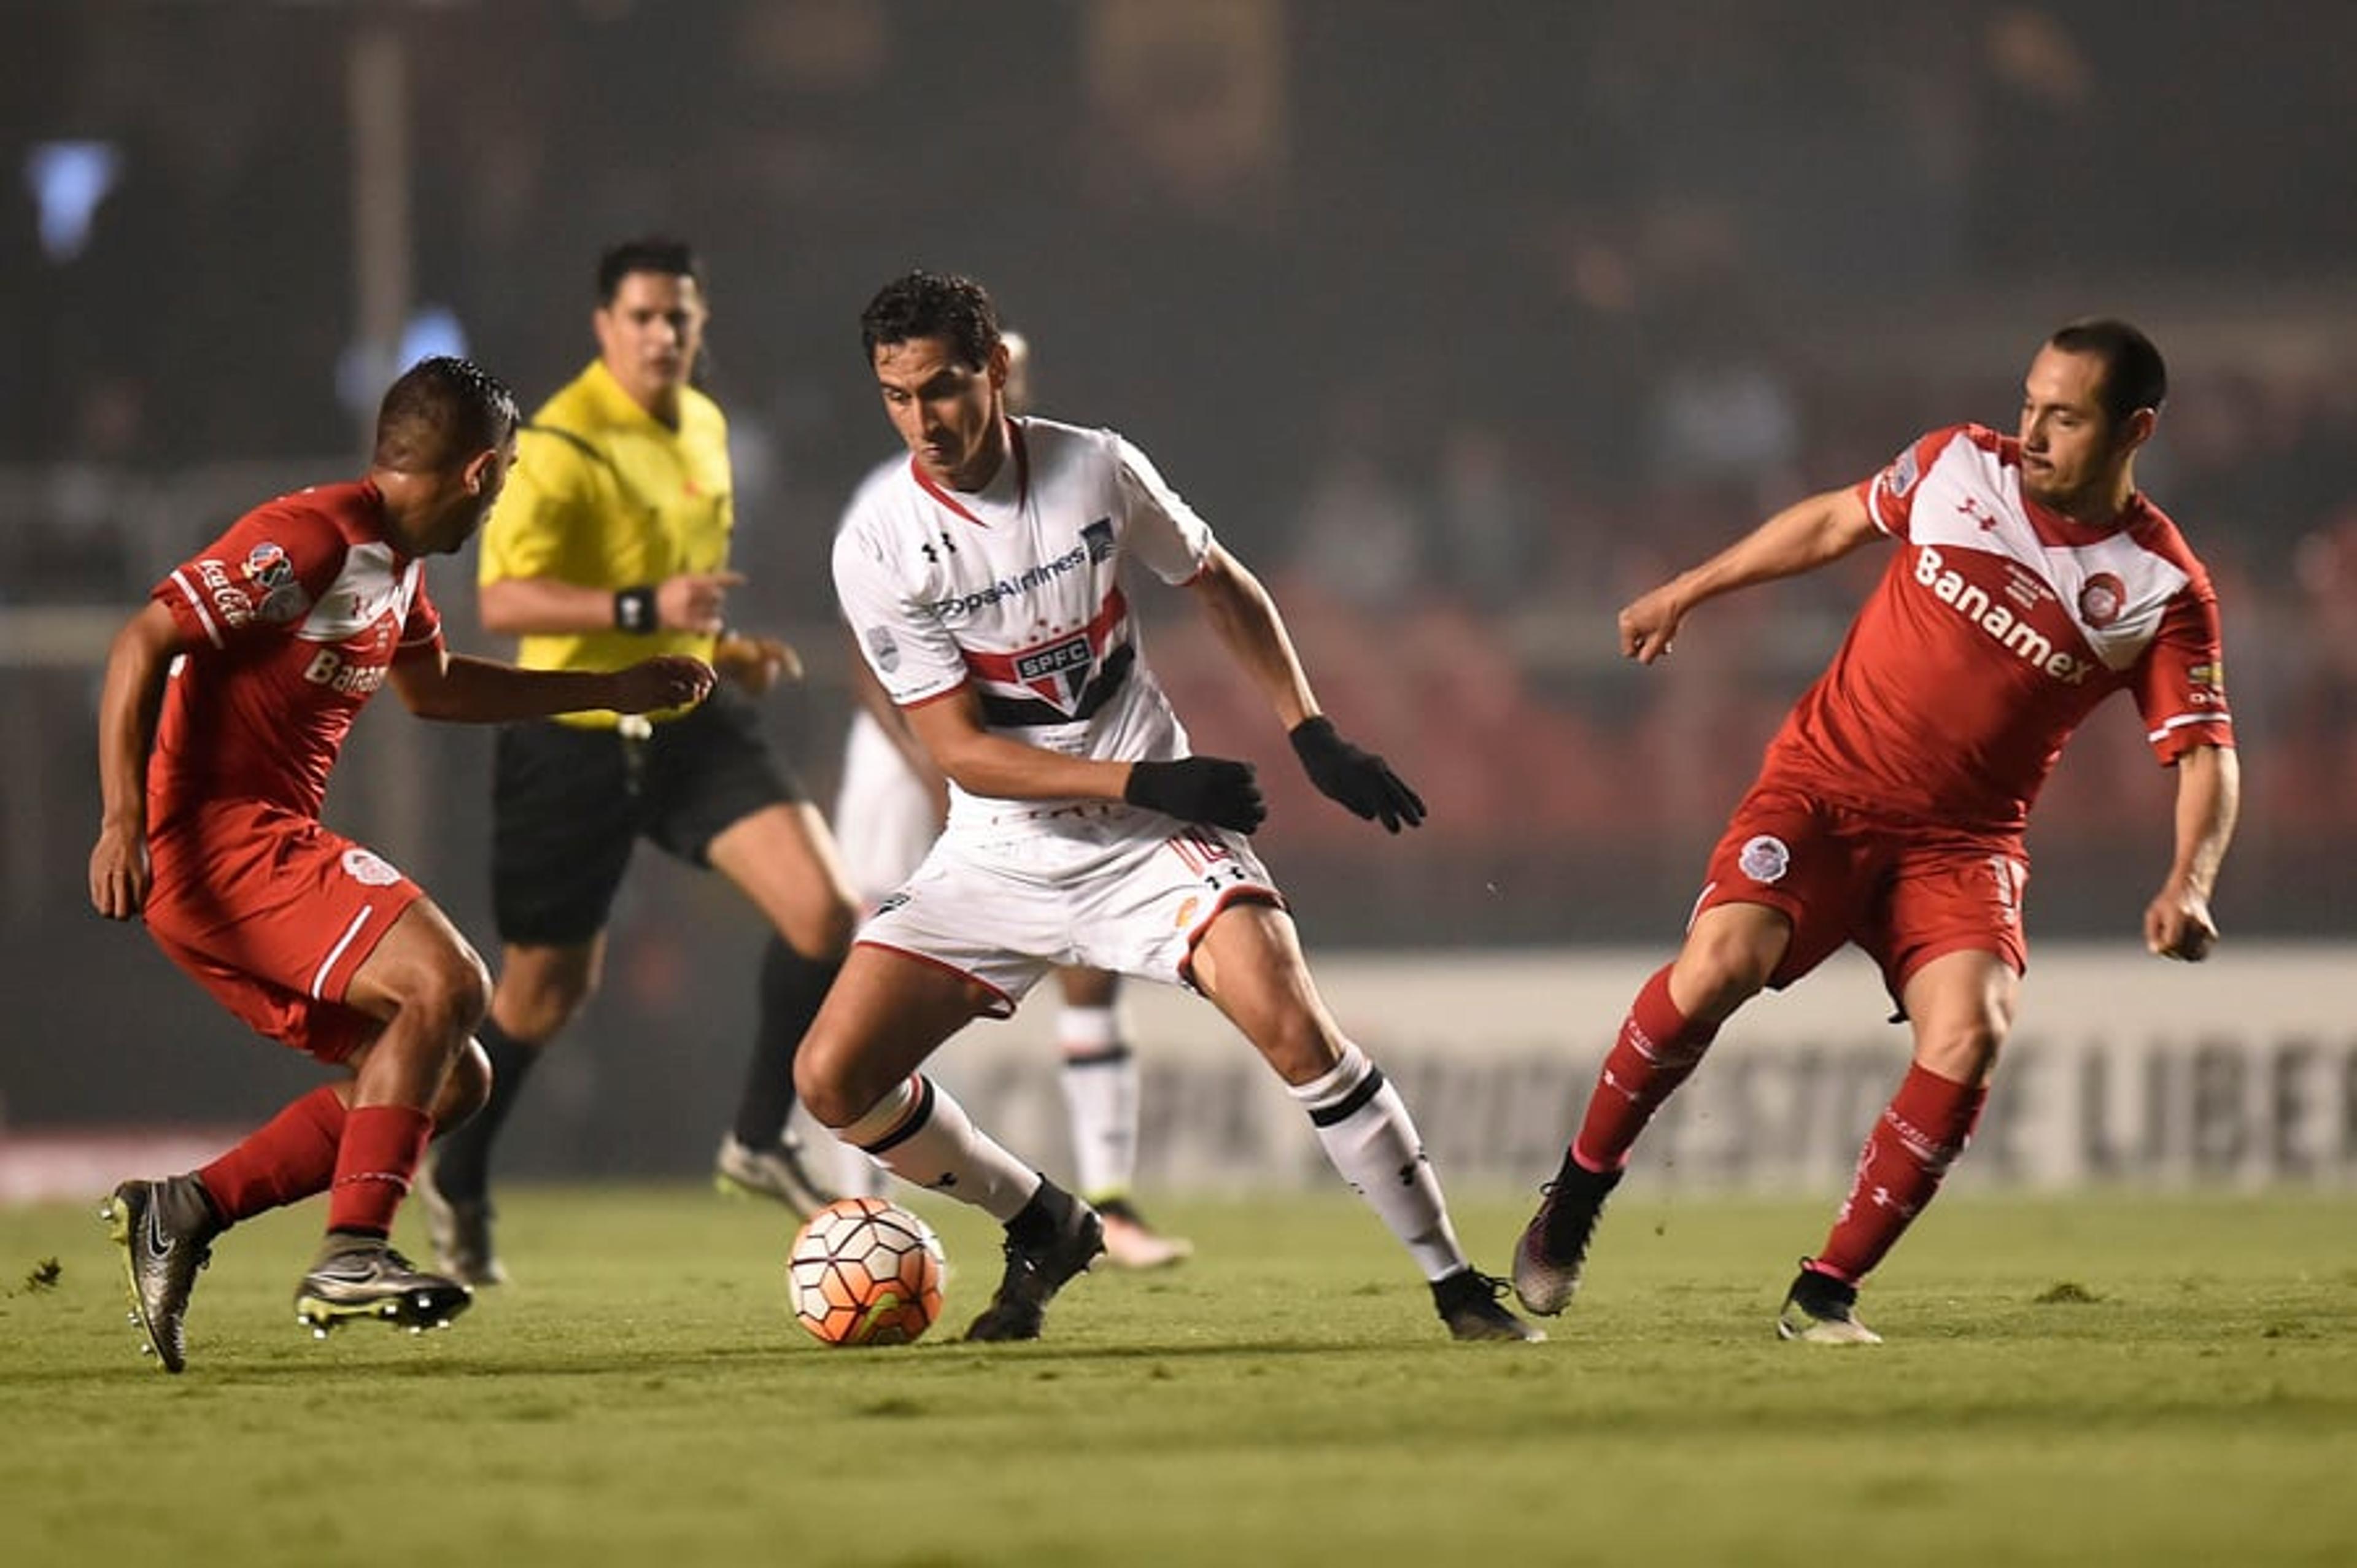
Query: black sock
x=1035 y=1224
x=793 y=987
x=462 y=1157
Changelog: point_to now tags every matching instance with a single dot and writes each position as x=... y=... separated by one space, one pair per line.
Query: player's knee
x=466 y=1091
x=1964 y=1053
x=823 y=934
x=451 y=996
x=1714 y=978
x=538 y=1012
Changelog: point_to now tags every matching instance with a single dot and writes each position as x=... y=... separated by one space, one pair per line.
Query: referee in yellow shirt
x=612 y=543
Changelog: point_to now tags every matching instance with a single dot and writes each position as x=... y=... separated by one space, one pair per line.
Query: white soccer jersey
x=1015 y=590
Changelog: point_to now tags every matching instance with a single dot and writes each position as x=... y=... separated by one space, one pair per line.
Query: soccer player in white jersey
x=2032 y=581
x=981 y=579
x=887 y=811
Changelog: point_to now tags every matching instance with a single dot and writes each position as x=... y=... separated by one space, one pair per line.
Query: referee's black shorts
x=567 y=804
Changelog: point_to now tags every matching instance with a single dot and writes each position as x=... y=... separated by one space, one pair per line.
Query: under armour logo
x=1971 y=507
x=932 y=554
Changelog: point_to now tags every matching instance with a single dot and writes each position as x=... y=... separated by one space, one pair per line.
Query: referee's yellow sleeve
x=528 y=533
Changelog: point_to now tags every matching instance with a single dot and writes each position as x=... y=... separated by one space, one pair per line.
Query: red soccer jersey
x=1999 y=626
x=299 y=610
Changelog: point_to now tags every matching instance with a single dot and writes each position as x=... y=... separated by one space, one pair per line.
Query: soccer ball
x=865 y=1271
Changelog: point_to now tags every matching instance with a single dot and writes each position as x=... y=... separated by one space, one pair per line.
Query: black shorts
x=567 y=804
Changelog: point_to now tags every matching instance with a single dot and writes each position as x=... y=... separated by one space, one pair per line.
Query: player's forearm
x=2209 y=799
x=524 y=607
x=484 y=690
x=998 y=768
x=1803 y=537
x=1249 y=626
x=133 y=690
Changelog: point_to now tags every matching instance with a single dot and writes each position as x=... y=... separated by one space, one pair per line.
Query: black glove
x=1359 y=780
x=1199 y=789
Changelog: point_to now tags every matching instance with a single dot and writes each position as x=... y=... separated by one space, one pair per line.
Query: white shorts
x=885 y=819
x=1102 y=885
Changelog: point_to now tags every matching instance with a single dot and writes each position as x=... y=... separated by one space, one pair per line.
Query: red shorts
x=1906 y=893
x=272 y=914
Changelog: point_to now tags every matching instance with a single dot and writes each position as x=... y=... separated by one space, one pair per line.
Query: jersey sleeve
x=1890 y=496
x=528 y=533
x=912 y=654
x=257 y=579
x=2180 y=682
x=1157 y=527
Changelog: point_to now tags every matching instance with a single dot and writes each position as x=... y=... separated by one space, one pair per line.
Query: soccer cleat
x=165 y=1231
x=363 y=1277
x=1553 y=1247
x=776 y=1173
x=1821 y=1310
x=1131 y=1243
x=1036 y=1272
x=1468 y=1301
x=460 y=1231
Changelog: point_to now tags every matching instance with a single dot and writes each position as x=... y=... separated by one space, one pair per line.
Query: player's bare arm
x=1806 y=536
x=519 y=606
x=950 y=728
x=136 y=667
x=1211 y=789
x=879 y=705
x=2177 y=923
x=1250 y=627
x=1246 y=620
x=460 y=689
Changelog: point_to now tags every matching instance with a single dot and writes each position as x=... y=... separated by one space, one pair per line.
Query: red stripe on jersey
x=1001 y=667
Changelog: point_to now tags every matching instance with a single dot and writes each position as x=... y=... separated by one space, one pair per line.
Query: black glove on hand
x=1199 y=789
x=1359 y=780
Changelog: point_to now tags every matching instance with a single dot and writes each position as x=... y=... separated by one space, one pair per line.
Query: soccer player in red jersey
x=2032 y=580
x=227 y=699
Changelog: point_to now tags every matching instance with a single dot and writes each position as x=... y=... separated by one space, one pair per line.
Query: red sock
x=1926 y=1126
x=382 y=1144
x=291 y=1157
x=1657 y=1047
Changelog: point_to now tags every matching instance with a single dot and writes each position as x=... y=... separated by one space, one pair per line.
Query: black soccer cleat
x=1553 y=1251
x=1822 y=1310
x=1469 y=1302
x=165 y=1231
x=460 y=1232
x=358 y=1277
x=1037 y=1268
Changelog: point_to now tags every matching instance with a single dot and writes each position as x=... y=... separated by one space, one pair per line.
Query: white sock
x=858 y=1174
x=1369 y=1138
x=922 y=1135
x=1100 y=1100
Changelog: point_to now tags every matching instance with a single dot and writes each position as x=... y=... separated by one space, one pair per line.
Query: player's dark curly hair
x=443 y=411
x=2133 y=375
x=932 y=305
x=647 y=254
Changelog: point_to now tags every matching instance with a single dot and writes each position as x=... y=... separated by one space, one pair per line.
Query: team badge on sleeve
x=369 y=869
x=882 y=648
x=269 y=570
x=1765 y=859
x=1899 y=477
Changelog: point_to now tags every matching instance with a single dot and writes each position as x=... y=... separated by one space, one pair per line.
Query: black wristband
x=634 y=610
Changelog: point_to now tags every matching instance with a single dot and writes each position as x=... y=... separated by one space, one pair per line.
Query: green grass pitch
x=2077 y=1381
